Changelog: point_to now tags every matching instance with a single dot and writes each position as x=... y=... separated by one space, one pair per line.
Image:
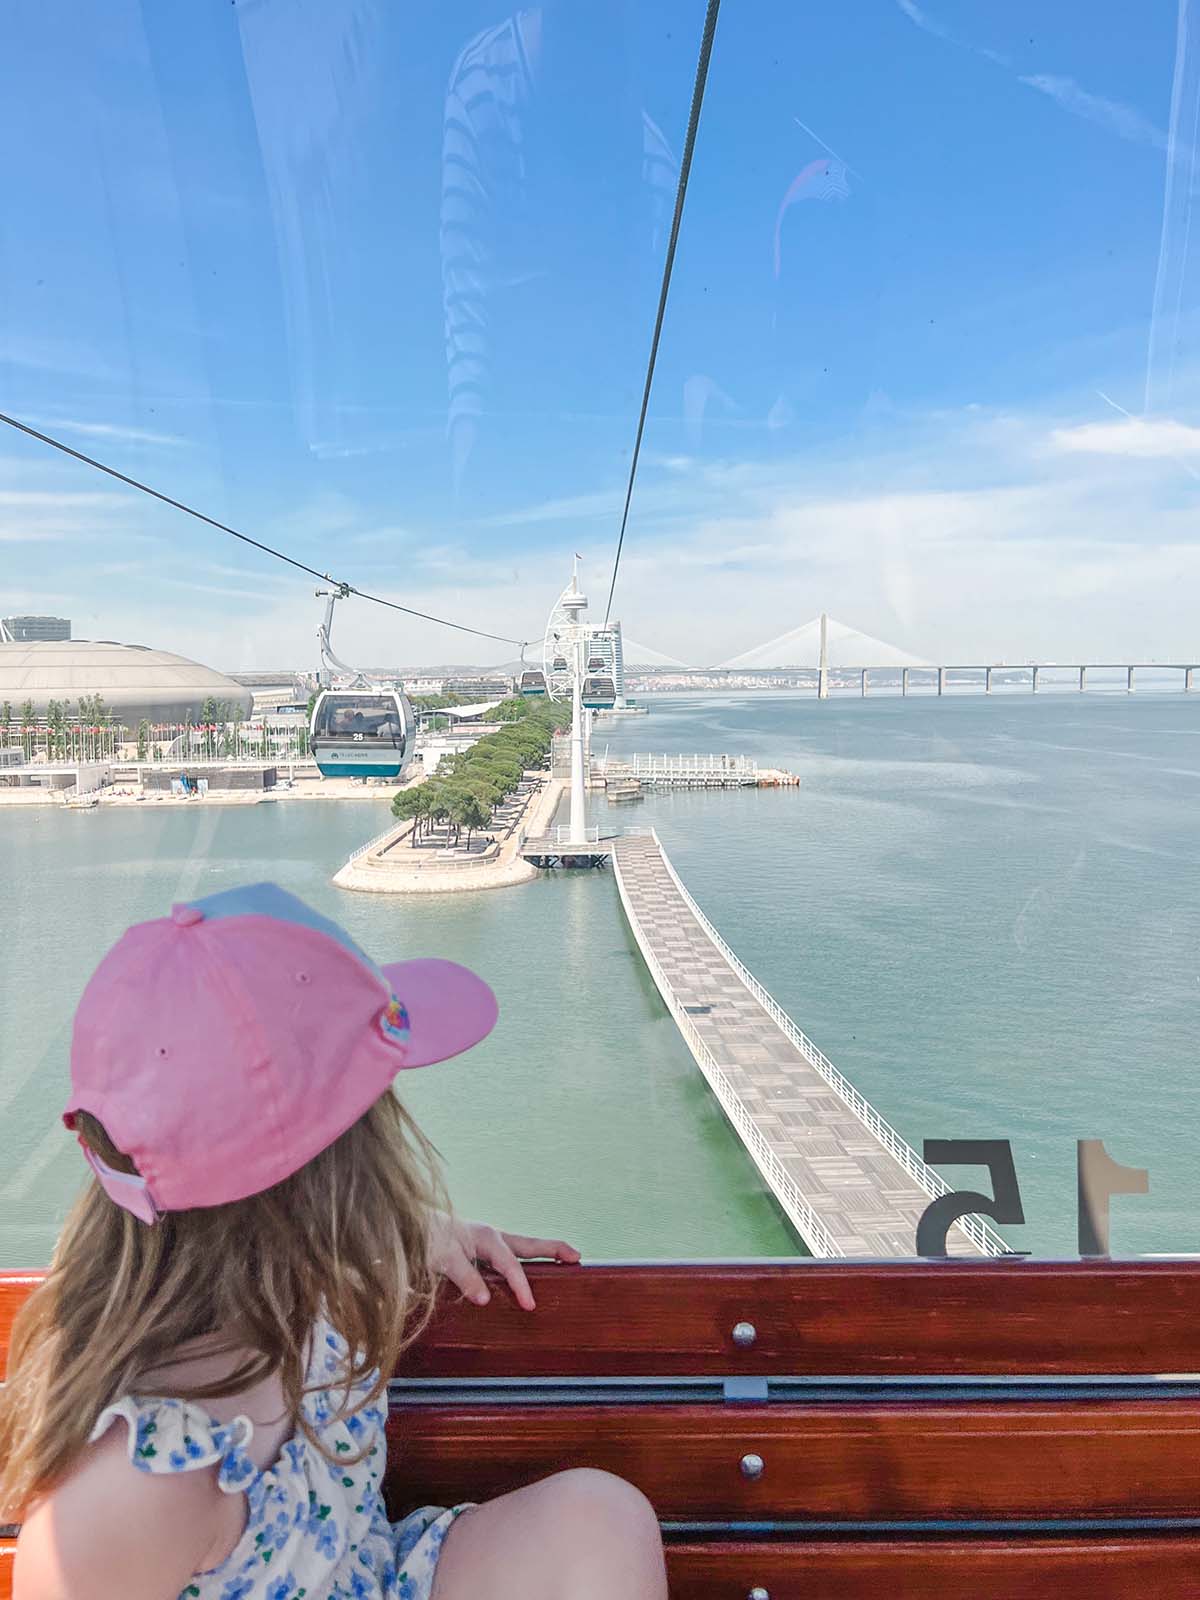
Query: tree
x=143 y=739
x=54 y=729
x=488 y=790
x=424 y=807
x=439 y=800
x=407 y=803
x=28 y=729
x=505 y=772
x=467 y=785
x=208 y=719
x=470 y=811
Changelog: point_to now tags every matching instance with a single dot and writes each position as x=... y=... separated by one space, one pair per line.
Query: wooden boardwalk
x=847 y=1181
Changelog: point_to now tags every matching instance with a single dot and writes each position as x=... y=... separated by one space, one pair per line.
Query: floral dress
x=314 y=1528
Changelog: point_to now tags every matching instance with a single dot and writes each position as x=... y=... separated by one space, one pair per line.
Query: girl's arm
x=458 y=1246
x=110 y=1532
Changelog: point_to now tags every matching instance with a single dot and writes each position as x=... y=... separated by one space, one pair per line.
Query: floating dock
x=846 y=1180
x=687 y=772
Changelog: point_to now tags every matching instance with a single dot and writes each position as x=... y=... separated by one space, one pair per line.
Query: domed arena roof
x=133 y=680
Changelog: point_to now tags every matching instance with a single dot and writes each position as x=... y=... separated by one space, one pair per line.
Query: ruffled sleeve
x=174 y=1436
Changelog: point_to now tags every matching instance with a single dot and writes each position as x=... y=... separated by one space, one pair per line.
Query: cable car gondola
x=560 y=663
x=362 y=733
x=533 y=682
x=595 y=664
x=599 y=693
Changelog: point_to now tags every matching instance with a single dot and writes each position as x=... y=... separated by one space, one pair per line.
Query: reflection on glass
x=914 y=525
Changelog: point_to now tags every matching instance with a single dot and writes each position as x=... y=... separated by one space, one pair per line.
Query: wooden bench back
x=939 y=1428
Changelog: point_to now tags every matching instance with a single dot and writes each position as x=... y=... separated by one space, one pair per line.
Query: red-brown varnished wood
x=941 y=1569
x=15 y=1289
x=835 y=1462
x=916 y=1569
x=849 y=1319
x=899 y=1319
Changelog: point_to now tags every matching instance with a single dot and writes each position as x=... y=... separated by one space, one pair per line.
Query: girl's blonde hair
x=345 y=1238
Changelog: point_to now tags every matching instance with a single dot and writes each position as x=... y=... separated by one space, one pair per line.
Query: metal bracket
x=744 y=1391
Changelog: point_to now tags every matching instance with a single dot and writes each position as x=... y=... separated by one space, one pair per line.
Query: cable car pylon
x=564 y=656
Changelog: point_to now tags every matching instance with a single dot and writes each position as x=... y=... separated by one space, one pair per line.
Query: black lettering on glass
x=1002 y=1205
x=1100 y=1177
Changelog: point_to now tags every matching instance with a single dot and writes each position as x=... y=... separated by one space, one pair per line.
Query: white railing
x=980 y=1233
x=373 y=844
x=804 y=1219
x=564 y=835
x=734 y=766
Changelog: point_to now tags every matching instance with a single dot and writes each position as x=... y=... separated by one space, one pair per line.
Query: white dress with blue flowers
x=314 y=1528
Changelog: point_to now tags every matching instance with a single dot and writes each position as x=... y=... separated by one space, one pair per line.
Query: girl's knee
x=603 y=1502
x=579 y=1535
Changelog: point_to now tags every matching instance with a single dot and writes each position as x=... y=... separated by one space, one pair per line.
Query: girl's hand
x=457 y=1246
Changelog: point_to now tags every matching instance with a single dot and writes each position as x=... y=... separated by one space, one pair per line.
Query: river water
x=985 y=911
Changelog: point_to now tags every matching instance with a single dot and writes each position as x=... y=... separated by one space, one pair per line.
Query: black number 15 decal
x=1100 y=1177
x=1003 y=1204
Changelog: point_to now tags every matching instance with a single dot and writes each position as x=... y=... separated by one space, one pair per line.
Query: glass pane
x=346 y=715
x=901 y=641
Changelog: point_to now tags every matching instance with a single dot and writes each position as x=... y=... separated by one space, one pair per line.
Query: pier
x=678 y=771
x=563 y=846
x=846 y=1180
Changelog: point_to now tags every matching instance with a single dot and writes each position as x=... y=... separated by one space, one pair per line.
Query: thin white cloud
x=63 y=355
x=1118 y=118
x=114 y=431
x=922 y=19
x=1123 y=120
x=392 y=536
x=35 y=499
x=33 y=516
x=605 y=504
x=965 y=534
x=1142 y=437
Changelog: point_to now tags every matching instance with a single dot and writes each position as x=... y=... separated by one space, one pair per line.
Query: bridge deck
x=859 y=1191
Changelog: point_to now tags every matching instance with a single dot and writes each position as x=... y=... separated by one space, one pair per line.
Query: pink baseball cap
x=224 y=1046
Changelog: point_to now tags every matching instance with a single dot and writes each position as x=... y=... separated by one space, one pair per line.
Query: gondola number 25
x=1100 y=1177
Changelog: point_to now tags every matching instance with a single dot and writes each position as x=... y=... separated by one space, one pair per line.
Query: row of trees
x=85 y=732
x=518 y=707
x=466 y=788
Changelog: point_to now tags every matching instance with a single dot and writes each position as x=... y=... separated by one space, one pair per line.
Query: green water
x=582 y=1115
x=984 y=911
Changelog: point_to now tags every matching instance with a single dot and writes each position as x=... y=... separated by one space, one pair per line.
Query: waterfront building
x=605 y=644
x=22 y=629
x=492 y=686
x=133 y=681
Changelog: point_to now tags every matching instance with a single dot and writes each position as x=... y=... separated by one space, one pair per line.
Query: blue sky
x=376 y=280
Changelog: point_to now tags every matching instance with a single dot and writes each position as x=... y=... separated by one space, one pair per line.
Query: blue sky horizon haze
x=375 y=281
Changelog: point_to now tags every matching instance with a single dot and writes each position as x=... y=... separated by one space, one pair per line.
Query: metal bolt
x=759 y=1593
x=752 y=1466
x=744 y=1334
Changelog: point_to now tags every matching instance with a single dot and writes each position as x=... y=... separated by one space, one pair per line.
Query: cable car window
x=346 y=715
x=875 y=574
